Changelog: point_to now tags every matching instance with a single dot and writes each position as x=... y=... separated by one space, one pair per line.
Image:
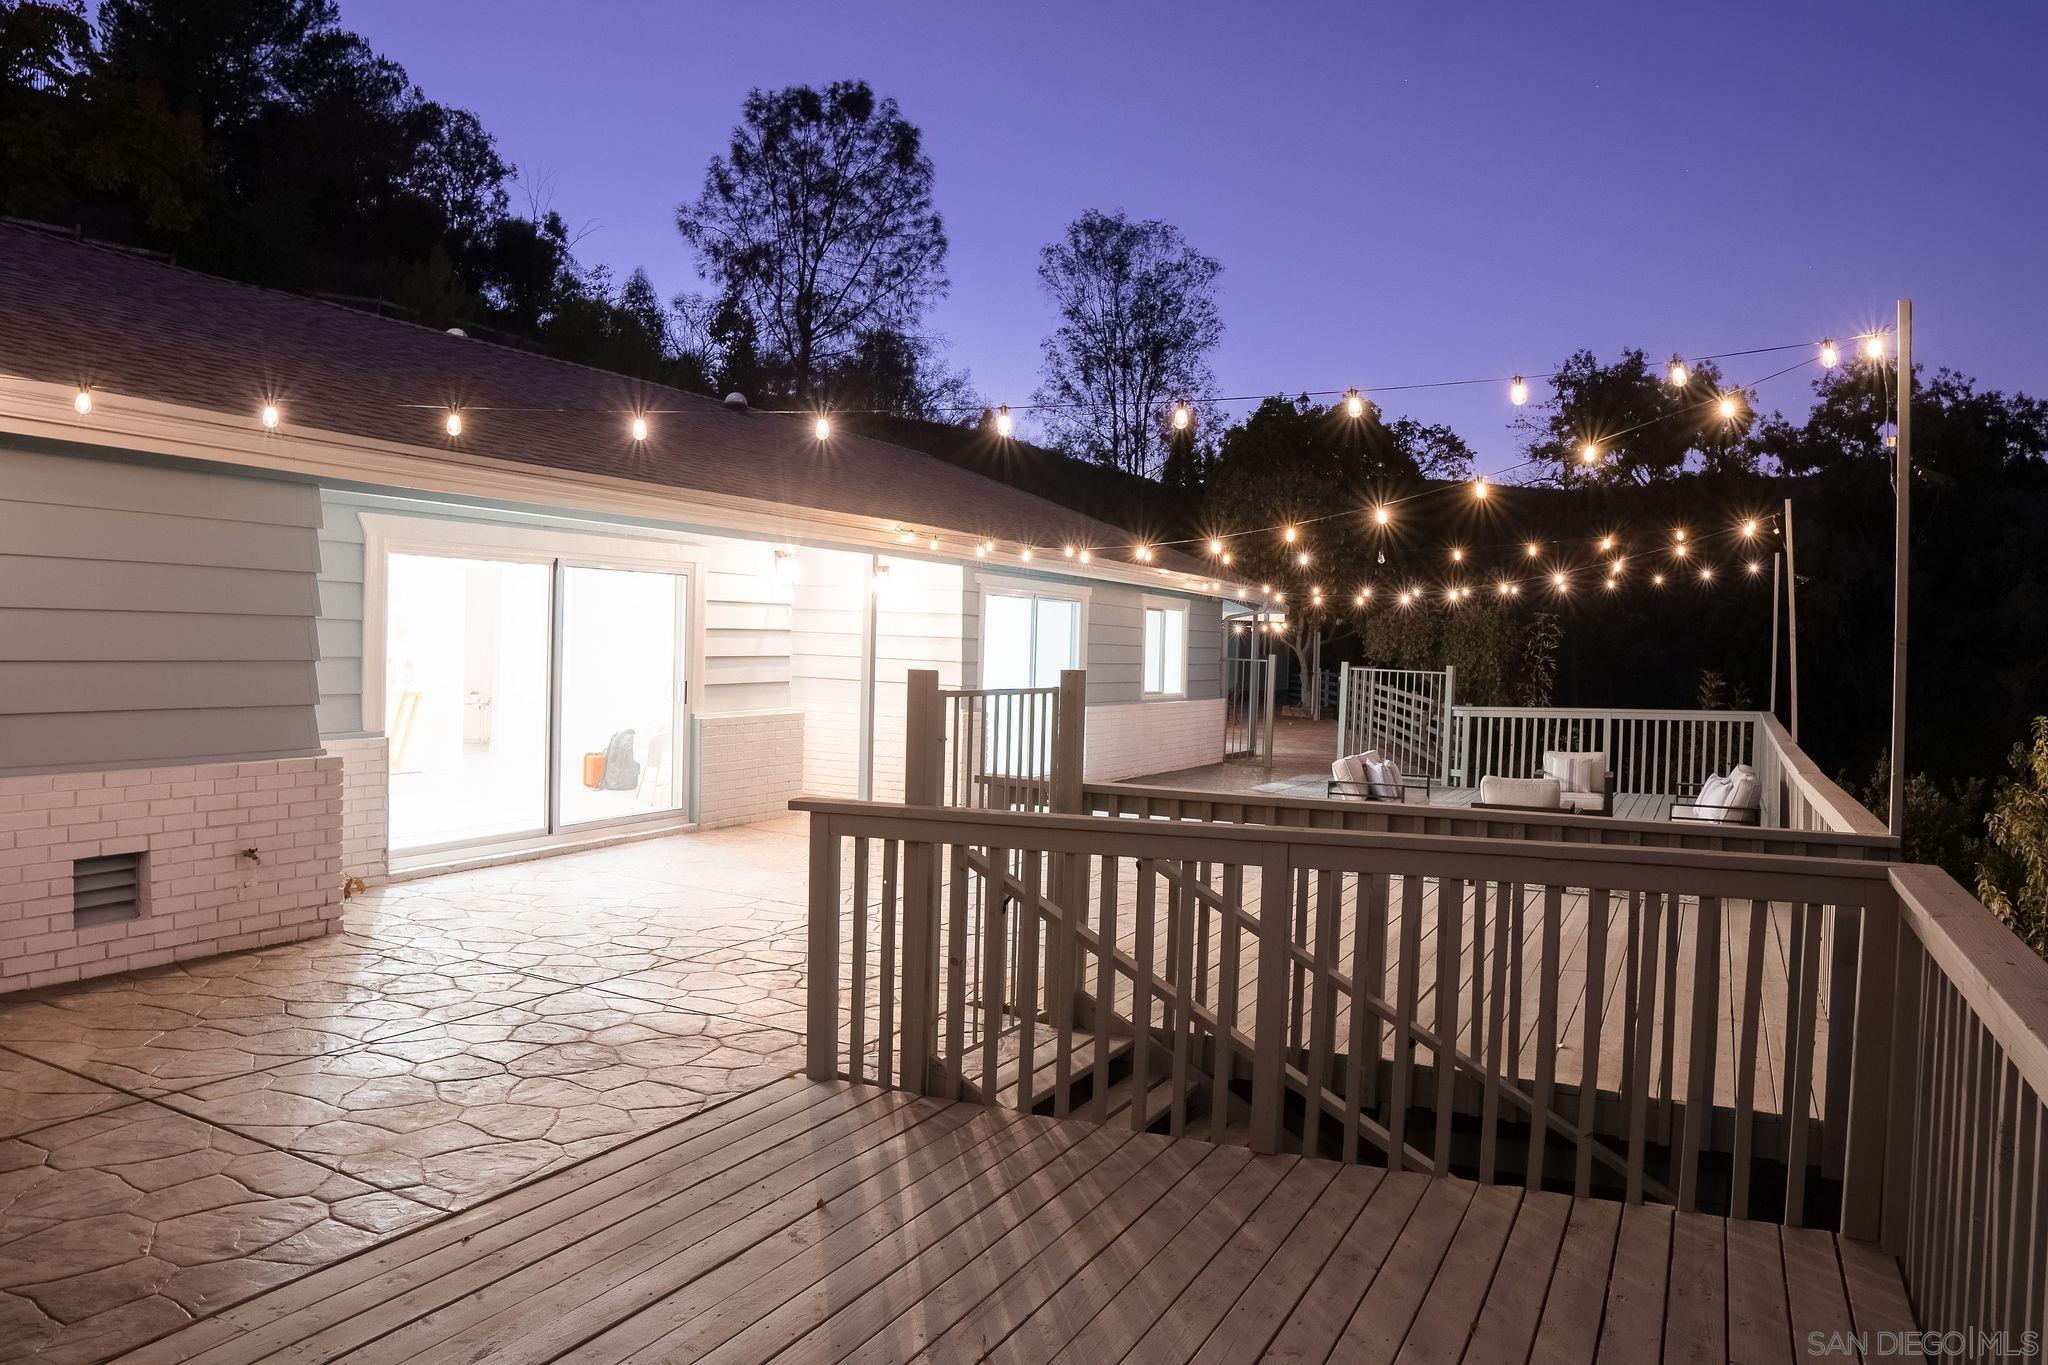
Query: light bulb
x=1457 y=556
x=933 y=543
x=1829 y=356
x=1557 y=581
x=1589 y=453
x=270 y=416
x=1610 y=582
x=83 y=402
x=1749 y=528
x=1679 y=535
x=1215 y=546
x=1382 y=515
x=1501 y=588
x=639 y=428
x=1227 y=557
x=1727 y=405
x=1706 y=573
x=1302 y=559
x=1025 y=554
x=1366 y=593
x=1358 y=599
x=1069 y=552
x=1290 y=535
x=1406 y=598
x=1607 y=542
x=454 y=423
x=1518 y=391
x=981 y=552
x=1679 y=375
x=1181 y=417
x=1530 y=549
x=1873 y=346
x=822 y=428
x=1755 y=567
x=1679 y=549
x=1354 y=403
x=1087 y=555
x=1005 y=424
x=1480 y=489
x=1657 y=579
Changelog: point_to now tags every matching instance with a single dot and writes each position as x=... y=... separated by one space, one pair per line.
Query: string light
x=1381 y=515
x=1657 y=580
x=1611 y=581
x=639 y=428
x=270 y=417
x=1679 y=535
x=454 y=422
x=1005 y=424
x=1182 y=416
x=1706 y=573
x=1480 y=490
x=932 y=543
x=1607 y=542
x=1504 y=588
x=1728 y=405
x=1678 y=374
x=1143 y=554
x=1358 y=599
x=1749 y=528
x=1873 y=346
x=1354 y=403
x=1589 y=454
x=1560 y=582
x=822 y=428
x=1290 y=535
x=1365 y=594
x=1302 y=559
x=1829 y=356
x=1457 y=555
x=1227 y=558
x=1679 y=549
x=1069 y=552
x=1025 y=554
x=1531 y=550
x=1518 y=391
x=1215 y=546
x=1407 y=598
x=1087 y=556
x=83 y=402
x=1755 y=567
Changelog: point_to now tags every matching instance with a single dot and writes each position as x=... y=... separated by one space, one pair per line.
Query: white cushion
x=1583 y=800
x=1743 y=791
x=1385 y=778
x=1347 y=770
x=1713 y=793
x=1543 y=792
x=1576 y=770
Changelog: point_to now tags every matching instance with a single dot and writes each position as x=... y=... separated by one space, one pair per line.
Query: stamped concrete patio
x=176 y=1140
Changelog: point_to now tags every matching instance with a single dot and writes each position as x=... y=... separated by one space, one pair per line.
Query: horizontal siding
x=153 y=613
x=341 y=619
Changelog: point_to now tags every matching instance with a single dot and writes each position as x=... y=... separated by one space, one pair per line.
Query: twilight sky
x=1397 y=193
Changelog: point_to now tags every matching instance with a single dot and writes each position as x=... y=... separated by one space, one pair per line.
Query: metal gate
x=1404 y=713
x=1248 y=708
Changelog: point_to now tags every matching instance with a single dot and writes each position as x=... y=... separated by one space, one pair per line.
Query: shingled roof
x=75 y=312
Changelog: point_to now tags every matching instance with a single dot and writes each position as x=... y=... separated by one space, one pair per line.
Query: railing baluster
x=1800 y=1057
x=1704 y=1033
x=856 y=1045
x=1450 y=962
x=957 y=959
x=1105 y=985
x=1028 y=922
x=1404 y=1021
x=885 y=1031
x=1181 y=907
x=995 y=940
x=1496 y=1018
x=1589 y=1075
x=1323 y=1006
x=1746 y=1058
x=1270 y=1006
x=1228 y=952
x=1141 y=994
x=1546 y=1038
x=1642 y=1025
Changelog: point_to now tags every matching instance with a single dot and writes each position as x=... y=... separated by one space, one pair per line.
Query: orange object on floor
x=593 y=771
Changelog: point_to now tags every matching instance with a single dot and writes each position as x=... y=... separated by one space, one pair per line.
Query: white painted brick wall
x=365 y=804
x=749 y=765
x=201 y=896
x=1132 y=739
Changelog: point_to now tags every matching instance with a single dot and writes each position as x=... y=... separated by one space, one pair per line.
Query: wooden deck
x=823 y=1221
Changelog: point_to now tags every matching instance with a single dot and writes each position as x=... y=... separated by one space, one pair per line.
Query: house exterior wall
x=1131 y=739
x=152 y=614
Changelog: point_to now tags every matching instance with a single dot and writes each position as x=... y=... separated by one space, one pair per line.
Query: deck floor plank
x=827 y=1222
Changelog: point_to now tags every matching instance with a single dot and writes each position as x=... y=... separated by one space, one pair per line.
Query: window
x=1026 y=640
x=1166 y=651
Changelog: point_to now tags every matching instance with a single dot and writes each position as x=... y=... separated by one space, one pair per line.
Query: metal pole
x=1902 y=525
x=1791 y=623
x=1777 y=563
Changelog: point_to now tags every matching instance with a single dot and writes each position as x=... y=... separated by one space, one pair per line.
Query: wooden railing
x=1137 y=801
x=1005 y=748
x=1419 y=1002
x=1648 y=751
x=1797 y=794
x=1402 y=713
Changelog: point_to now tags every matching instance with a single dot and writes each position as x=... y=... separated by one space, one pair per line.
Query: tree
x=1540 y=645
x=2013 y=878
x=1643 y=427
x=1137 y=310
x=819 y=221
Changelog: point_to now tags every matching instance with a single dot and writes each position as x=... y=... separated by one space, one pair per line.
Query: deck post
x=924 y=761
x=1272 y=692
x=1070 y=743
x=1444 y=719
x=1902 y=554
x=821 y=999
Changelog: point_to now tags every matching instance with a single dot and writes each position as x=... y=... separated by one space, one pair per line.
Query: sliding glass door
x=528 y=697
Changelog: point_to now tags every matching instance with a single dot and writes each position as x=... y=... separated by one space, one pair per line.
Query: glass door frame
x=387 y=534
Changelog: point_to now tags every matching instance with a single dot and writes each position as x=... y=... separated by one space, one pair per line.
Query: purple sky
x=1397 y=194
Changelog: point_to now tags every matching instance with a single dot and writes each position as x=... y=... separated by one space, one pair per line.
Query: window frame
x=998 y=585
x=1150 y=603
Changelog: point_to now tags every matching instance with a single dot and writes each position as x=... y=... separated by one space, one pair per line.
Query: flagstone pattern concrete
x=177 y=1139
